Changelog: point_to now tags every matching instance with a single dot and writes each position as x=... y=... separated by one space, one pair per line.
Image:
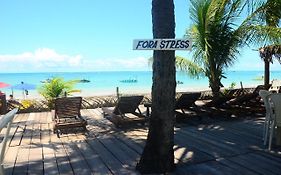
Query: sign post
x=162 y=44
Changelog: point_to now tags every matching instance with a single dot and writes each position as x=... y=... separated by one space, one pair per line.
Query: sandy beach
x=89 y=93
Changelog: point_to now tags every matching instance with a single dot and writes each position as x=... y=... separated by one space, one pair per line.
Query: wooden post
x=266 y=71
x=3 y=104
x=117 y=93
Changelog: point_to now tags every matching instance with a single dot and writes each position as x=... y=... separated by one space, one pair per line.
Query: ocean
x=105 y=83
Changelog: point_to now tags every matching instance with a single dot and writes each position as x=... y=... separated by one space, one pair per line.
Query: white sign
x=162 y=44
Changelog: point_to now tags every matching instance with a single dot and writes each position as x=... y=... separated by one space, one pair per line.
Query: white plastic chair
x=5 y=121
x=275 y=86
x=268 y=118
x=275 y=102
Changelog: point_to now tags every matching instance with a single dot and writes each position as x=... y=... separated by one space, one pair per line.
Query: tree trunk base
x=155 y=166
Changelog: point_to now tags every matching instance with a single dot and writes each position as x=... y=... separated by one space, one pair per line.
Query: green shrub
x=57 y=87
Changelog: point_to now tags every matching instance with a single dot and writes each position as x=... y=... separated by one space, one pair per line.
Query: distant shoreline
x=88 y=94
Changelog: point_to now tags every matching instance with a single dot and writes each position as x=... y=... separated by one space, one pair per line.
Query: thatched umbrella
x=267 y=53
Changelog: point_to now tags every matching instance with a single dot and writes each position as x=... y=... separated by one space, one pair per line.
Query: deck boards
x=219 y=147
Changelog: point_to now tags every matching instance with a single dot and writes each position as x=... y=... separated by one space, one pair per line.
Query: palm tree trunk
x=266 y=71
x=158 y=154
x=215 y=85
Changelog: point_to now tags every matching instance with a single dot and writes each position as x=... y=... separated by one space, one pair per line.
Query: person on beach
x=11 y=97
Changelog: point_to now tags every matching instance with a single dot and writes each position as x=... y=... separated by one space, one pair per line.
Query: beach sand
x=88 y=93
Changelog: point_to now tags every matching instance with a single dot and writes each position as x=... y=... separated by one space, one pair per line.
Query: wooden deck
x=216 y=147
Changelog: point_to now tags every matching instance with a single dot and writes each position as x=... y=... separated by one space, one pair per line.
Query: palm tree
x=217 y=36
x=158 y=154
x=270 y=14
x=57 y=87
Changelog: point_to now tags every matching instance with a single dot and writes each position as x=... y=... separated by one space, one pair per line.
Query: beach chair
x=268 y=117
x=5 y=121
x=187 y=101
x=221 y=101
x=275 y=87
x=67 y=114
x=249 y=98
x=275 y=112
x=125 y=105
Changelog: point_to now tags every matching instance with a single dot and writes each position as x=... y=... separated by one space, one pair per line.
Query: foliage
x=57 y=87
x=264 y=21
x=26 y=104
x=216 y=35
x=232 y=85
x=185 y=65
x=190 y=67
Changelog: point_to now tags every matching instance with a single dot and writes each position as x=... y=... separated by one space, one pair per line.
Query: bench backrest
x=127 y=104
x=68 y=107
x=187 y=100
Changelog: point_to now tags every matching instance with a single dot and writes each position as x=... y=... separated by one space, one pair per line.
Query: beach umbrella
x=24 y=86
x=3 y=85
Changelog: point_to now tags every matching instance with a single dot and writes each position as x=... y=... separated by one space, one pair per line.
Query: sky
x=87 y=35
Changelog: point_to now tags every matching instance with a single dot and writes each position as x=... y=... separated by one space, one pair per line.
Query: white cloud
x=46 y=59
x=41 y=58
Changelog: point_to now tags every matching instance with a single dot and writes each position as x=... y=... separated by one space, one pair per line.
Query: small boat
x=129 y=81
x=46 y=81
x=179 y=82
x=84 y=81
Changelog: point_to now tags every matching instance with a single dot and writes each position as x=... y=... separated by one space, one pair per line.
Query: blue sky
x=86 y=35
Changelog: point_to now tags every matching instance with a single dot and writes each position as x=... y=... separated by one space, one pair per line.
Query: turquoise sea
x=105 y=83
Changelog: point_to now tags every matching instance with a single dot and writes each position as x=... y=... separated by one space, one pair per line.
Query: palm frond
x=191 y=68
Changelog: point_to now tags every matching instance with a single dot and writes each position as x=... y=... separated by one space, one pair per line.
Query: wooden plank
x=252 y=165
x=210 y=168
x=238 y=168
x=94 y=160
x=10 y=160
x=50 y=164
x=269 y=163
x=78 y=163
x=17 y=137
x=24 y=140
x=189 y=152
x=12 y=152
x=248 y=128
x=129 y=142
x=19 y=121
x=189 y=155
x=195 y=142
x=21 y=165
x=35 y=162
x=229 y=135
x=113 y=164
x=273 y=156
x=117 y=151
x=122 y=155
x=213 y=140
x=124 y=147
x=63 y=163
x=96 y=125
